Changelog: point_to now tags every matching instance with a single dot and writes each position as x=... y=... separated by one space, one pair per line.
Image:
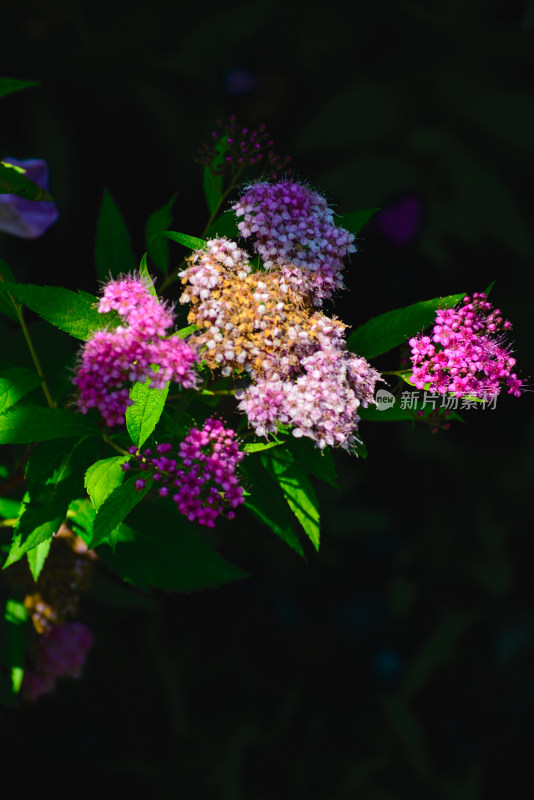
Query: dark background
x=397 y=663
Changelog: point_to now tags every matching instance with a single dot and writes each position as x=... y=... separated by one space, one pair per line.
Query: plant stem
x=117 y=447
x=18 y=308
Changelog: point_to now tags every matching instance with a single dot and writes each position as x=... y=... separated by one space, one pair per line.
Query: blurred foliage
x=398 y=662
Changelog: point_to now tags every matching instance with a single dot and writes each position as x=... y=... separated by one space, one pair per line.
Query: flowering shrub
x=228 y=414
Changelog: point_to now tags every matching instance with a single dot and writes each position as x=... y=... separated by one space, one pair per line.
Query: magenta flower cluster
x=138 y=350
x=466 y=353
x=61 y=653
x=292 y=226
x=202 y=478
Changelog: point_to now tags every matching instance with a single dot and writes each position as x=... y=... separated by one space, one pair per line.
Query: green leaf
x=10 y=85
x=16 y=382
x=383 y=333
x=266 y=502
x=319 y=462
x=158 y=221
x=73 y=312
x=192 y=242
x=297 y=490
x=29 y=423
x=160 y=549
x=143 y=416
x=9 y=508
x=185 y=332
x=397 y=414
x=102 y=478
x=225 y=225
x=46 y=504
x=81 y=516
x=37 y=557
x=16 y=617
x=212 y=189
x=14 y=181
x=355 y=221
x=258 y=447
x=115 y=509
x=6 y=303
x=144 y=273
x=113 y=249
x=408 y=731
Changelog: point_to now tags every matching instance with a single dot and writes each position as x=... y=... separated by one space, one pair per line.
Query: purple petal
x=400 y=222
x=28 y=219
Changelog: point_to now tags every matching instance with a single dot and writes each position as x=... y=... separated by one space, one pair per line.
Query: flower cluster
x=249 y=322
x=61 y=653
x=235 y=147
x=137 y=350
x=201 y=479
x=321 y=404
x=466 y=354
x=293 y=226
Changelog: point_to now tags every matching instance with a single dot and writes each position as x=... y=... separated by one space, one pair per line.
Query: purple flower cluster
x=137 y=350
x=466 y=354
x=321 y=404
x=293 y=226
x=61 y=653
x=201 y=479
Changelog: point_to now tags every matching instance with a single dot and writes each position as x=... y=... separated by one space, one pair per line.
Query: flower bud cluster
x=291 y=226
x=137 y=350
x=60 y=653
x=201 y=478
x=466 y=353
x=233 y=147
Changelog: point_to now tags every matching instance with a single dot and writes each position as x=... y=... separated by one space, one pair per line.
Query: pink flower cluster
x=201 y=479
x=466 y=354
x=61 y=653
x=321 y=404
x=293 y=226
x=138 y=350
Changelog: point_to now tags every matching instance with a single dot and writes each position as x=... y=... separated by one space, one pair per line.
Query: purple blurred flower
x=400 y=221
x=239 y=81
x=28 y=219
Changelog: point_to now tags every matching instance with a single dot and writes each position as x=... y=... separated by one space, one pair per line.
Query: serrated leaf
x=14 y=181
x=160 y=549
x=143 y=416
x=267 y=503
x=258 y=447
x=102 y=478
x=29 y=423
x=355 y=221
x=297 y=490
x=192 y=242
x=10 y=85
x=144 y=273
x=383 y=333
x=37 y=557
x=113 y=247
x=15 y=383
x=319 y=462
x=115 y=509
x=225 y=225
x=46 y=508
x=73 y=312
x=158 y=249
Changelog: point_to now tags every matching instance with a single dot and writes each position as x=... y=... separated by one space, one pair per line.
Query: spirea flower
x=60 y=653
x=322 y=403
x=250 y=322
x=466 y=353
x=28 y=219
x=139 y=350
x=292 y=226
x=201 y=477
